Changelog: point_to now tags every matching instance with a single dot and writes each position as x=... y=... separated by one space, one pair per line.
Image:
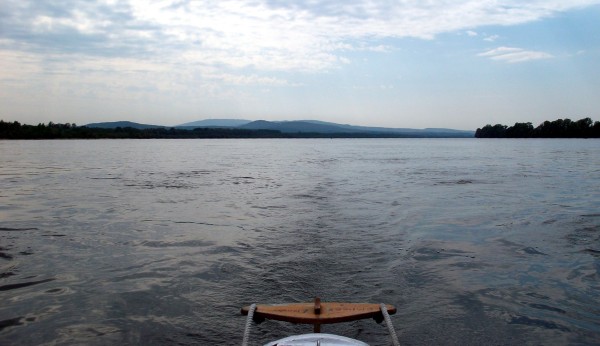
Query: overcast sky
x=457 y=64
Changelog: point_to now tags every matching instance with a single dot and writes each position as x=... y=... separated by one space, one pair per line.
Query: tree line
x=560 y=128
x=15 y=130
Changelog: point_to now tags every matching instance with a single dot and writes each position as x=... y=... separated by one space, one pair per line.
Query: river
x=160 y=242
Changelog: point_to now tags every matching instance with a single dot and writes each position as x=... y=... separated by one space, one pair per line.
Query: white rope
x=388 y=322
x=248 y=324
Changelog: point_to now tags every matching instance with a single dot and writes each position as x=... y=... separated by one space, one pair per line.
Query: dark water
x=160 y=242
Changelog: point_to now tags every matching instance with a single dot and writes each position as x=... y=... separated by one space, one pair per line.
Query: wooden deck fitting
x=317 y=312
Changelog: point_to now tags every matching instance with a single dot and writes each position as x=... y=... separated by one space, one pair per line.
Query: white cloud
x=514 y=55
x=491 y=38
x=236 y=79
x=266 y=35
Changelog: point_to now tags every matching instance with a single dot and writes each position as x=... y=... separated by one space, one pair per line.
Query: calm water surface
x=160 y=242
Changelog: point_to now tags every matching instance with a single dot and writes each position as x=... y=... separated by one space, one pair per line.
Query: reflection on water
x=161 y=242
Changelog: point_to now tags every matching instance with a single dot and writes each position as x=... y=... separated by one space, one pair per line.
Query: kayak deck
x=321 y=339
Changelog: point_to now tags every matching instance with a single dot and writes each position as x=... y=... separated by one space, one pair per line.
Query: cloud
x=237 y=79
x=491 y=38
x=267 y=35
x=514 y=55
x=471 y=33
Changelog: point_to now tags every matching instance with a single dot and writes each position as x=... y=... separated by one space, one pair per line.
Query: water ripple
x=23 y=284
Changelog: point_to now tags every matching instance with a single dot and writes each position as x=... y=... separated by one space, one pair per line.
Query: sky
x=457 y=64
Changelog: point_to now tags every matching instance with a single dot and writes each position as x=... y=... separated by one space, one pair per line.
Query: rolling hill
x=299 y=127
x=115 y=124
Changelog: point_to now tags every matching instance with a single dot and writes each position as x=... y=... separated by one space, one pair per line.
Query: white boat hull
x=314 y=339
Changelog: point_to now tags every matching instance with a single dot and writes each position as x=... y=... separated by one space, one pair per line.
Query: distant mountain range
x=115 y=124
x=216 y=123
x=299 y=126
